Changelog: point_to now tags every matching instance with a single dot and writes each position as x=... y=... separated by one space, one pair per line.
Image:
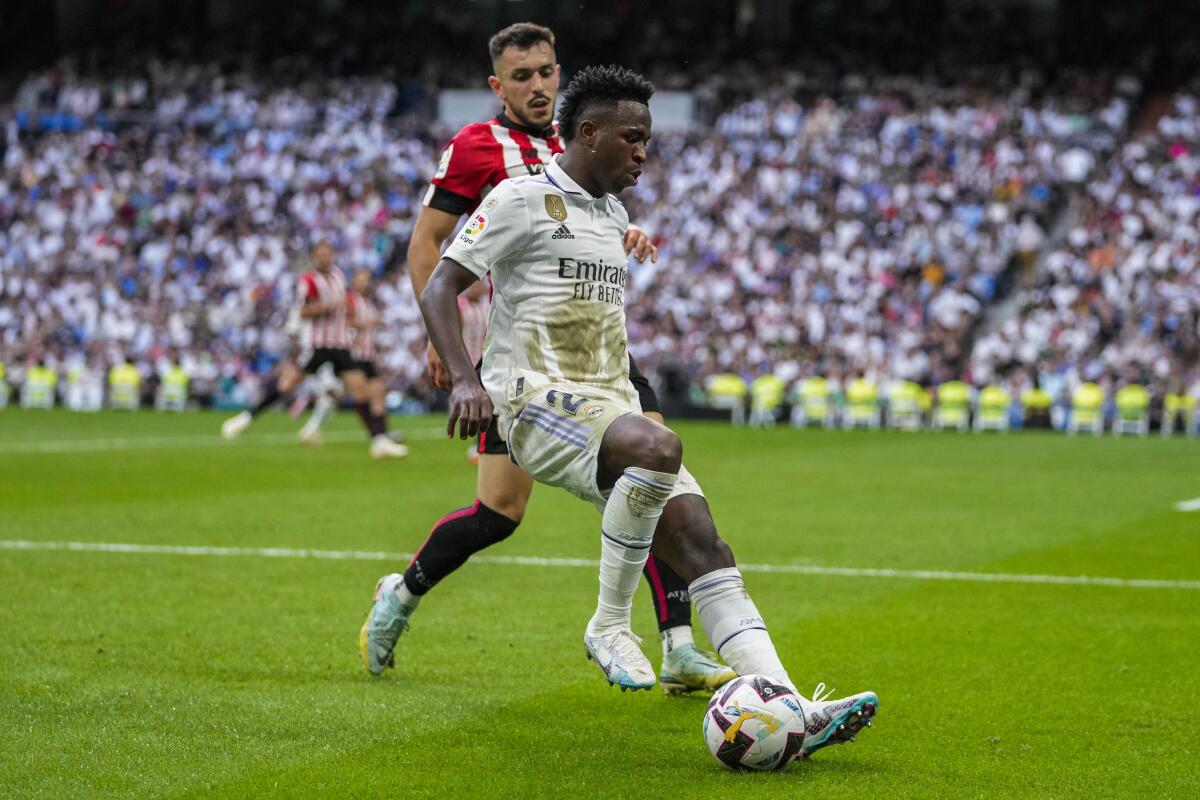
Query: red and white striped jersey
x=483 y=154
x=362 y=312
x=330 y=330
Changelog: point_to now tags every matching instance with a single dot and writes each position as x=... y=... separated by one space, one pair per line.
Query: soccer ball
x=754 y=723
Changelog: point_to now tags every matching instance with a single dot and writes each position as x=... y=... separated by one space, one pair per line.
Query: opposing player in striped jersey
x=518 y=142
x=364 y=319
x=556 y=371
x=325 y=339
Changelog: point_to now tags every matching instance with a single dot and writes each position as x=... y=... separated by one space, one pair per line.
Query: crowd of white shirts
x=163 y=217
x=1118 y=299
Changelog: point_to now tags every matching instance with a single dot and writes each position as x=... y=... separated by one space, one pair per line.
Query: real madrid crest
x=556 y=208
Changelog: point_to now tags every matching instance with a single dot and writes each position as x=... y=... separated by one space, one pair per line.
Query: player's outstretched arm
x=470 y=406
x=432 y=228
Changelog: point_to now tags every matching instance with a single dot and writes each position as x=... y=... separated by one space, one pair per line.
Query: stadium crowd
x=862 y=233
x=846 y=225
x=160 y=217
x=1117 y=300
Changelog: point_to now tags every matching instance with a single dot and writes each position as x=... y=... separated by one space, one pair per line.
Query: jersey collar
x=505 y=121
x=561 y=180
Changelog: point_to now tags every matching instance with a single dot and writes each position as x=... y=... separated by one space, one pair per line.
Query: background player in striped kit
x=363 y=320
x=324 y=339
x=519 y=141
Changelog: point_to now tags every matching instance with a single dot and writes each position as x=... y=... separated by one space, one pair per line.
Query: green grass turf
x=127 y=675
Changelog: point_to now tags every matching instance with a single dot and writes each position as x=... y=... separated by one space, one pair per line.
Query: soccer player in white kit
x=556 y=372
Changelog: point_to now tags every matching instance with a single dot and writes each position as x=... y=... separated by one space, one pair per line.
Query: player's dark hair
x=599 y=86
x=521 y=35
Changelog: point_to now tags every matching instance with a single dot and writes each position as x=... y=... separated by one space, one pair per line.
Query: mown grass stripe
x=538 y=561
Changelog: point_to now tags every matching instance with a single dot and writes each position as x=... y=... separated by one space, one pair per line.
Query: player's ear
x=496 y=87
x=587 y=133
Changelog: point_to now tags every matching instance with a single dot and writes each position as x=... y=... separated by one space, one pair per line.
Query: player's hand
x=438 y=375
x=470 y=408
x=638 y=244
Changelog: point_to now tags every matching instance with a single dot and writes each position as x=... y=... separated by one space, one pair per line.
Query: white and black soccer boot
x=828 y=722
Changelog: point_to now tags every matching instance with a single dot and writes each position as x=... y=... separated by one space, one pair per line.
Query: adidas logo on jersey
x=563 y=232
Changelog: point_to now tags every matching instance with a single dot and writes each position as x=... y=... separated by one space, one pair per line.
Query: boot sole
x=857 y=717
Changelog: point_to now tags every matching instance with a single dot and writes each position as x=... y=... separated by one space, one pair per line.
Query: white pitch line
x=1188 y=505
x=200 y=440
x=534 y=561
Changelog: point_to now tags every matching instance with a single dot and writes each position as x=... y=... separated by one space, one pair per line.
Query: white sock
x=626 y=532
x=407 y=598
x=676 y=637
x=322 y=410
x=734 y=625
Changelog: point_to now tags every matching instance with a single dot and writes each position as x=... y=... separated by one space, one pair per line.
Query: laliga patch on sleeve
x=474 y=228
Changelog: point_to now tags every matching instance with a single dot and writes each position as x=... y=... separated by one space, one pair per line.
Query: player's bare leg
x=376 y=424
x=687 y=539
x=377 y=397
x=289 y=378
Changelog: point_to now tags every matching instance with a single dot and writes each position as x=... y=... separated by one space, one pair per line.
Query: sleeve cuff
x=450 y=202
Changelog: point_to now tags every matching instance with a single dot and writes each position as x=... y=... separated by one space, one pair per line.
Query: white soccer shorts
x=555 y=437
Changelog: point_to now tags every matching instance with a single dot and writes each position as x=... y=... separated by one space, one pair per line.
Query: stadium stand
x=859 y=226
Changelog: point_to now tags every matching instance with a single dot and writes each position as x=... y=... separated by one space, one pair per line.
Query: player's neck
x=573 y=165
x=509 y=120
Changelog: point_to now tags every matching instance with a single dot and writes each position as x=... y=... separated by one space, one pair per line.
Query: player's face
x=526 y=81
x=361 y=281
x=322 y=257
x=619 y=142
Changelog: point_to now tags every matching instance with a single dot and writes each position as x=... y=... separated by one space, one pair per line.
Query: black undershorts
x=368 y=368
x=342 y=361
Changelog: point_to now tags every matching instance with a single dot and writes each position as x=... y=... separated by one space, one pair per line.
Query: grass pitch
x=168 y=675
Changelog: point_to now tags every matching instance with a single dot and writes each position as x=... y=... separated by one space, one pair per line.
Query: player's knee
x=662 y=451
x=505 y=500
x=510 y=506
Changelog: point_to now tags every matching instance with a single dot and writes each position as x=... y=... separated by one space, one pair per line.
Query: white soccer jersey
x=558 y=266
